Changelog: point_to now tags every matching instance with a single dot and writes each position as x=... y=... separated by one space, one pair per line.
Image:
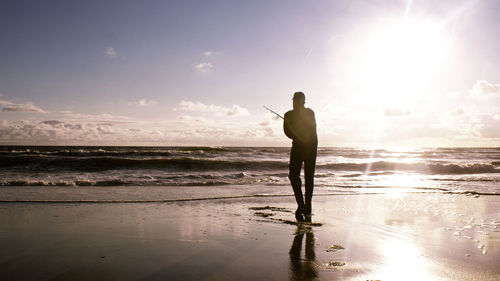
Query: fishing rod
x=273 y=112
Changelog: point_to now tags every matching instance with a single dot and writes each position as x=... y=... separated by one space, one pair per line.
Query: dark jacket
x=300 y=126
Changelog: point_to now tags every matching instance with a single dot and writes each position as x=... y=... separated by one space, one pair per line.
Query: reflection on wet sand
x=303 y=268
x=403 y=260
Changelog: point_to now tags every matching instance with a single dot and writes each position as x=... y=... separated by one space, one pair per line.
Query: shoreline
x=364 y=237
x=169 y=194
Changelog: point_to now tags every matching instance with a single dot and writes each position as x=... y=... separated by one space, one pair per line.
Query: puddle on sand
x=272 y=212
x=334 y=248
x=298 y=223
x=273 y=209
x=333 y=264
x=264 y=215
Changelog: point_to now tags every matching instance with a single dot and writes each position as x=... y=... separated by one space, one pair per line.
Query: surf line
x=184 y=199
x=147 y=201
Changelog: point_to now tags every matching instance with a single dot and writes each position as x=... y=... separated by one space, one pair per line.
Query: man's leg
x=309 y=168
x=294 y=175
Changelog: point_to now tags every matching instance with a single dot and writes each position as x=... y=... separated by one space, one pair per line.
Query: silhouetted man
x=300 y=125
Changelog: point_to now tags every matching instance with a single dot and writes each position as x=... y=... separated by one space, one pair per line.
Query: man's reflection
x=303 y=269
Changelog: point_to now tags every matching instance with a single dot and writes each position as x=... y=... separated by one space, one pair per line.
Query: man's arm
x=286 y=127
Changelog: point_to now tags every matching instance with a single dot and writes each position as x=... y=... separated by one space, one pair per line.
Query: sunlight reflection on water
x=403 y=261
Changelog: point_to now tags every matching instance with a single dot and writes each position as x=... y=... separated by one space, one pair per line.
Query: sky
x=393 y=73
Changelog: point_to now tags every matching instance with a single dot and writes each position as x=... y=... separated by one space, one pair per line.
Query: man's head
x=299 y=99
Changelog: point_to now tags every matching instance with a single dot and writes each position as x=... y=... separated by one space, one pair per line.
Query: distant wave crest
x=92 y=164
x=110 y=163
x=424 y=168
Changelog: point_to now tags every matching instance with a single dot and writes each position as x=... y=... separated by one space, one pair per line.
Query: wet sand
x=351 y=237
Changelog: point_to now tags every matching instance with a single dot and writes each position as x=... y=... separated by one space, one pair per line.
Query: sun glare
x=397 y=59
x=403 y=261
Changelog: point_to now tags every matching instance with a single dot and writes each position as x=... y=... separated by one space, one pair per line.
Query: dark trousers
x=299 y=155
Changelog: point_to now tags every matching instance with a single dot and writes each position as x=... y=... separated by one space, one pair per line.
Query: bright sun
x=396 y=59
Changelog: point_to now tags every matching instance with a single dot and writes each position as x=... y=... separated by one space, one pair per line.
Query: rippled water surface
x=474 y=170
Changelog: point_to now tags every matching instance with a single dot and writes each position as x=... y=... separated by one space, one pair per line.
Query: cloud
x=235 y=110
x=198 y=124
x=490 y=126
x=67 y=127
x=19 y=107
x=23 y=107
x=55 y=131
x=190 y=118
x=484 y=88
x=458 y=112
x=208 y=53
x=52 y=122
x=204 y=67
x=110 y=51
x=5 y=103
x=186 y=130
x=264 y=123
x=198 y=106
x=143 y=102
x=103 y=118
x=393 y=112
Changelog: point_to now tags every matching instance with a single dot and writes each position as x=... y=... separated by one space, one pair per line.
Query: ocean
x=472 y=171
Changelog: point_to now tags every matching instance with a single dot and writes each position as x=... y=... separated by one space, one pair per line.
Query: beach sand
x=351 y=237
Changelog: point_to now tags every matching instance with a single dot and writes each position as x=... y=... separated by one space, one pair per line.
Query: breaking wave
x=91 y=164
x=456 y=169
